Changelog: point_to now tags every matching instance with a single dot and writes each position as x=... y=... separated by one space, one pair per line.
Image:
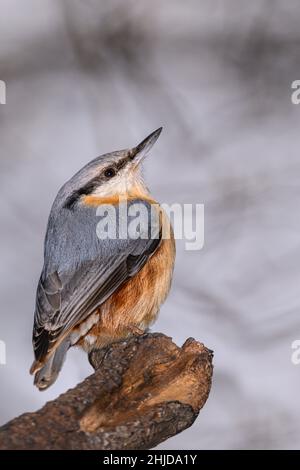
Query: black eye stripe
x=89 y=187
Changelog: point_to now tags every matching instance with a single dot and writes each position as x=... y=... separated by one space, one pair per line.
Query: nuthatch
x=93 y=291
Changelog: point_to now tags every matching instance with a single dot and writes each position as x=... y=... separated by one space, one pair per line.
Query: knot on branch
x=144 y=390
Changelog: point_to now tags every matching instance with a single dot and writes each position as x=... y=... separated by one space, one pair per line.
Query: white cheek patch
x=123 y=183
x=116 y=185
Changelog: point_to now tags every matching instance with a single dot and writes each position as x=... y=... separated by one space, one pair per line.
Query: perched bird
x=94 y=291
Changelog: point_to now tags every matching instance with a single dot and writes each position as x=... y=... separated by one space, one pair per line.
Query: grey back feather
x=81 y=271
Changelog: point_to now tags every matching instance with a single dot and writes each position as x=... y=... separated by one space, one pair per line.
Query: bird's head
x=112 y=174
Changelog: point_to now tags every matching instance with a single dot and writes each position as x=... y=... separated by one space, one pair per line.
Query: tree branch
x=145 y=390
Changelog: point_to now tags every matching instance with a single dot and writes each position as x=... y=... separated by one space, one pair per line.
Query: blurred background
x=88 y=77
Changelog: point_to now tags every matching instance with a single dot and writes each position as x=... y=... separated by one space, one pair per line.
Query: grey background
x=84 y=78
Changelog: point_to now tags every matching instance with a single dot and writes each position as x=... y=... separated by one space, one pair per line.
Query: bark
x=144 y=390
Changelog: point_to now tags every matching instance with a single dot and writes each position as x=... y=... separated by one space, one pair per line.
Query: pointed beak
x=139 y=152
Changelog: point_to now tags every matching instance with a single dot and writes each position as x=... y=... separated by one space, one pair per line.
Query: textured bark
x=144 y=390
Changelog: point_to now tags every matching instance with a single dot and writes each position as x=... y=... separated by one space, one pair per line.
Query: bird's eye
x=109 y=172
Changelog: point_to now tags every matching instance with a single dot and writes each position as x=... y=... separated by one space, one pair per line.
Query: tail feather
x=48 y=373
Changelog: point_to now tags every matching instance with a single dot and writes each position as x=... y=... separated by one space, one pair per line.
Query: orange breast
x=136 y=304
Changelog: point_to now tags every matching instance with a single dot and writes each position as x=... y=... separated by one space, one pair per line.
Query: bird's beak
x=139 y=152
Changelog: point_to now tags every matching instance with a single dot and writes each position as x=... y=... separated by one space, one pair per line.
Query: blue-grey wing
x=82 y=271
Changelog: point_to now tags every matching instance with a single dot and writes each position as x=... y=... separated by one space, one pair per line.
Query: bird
x=94 y=291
